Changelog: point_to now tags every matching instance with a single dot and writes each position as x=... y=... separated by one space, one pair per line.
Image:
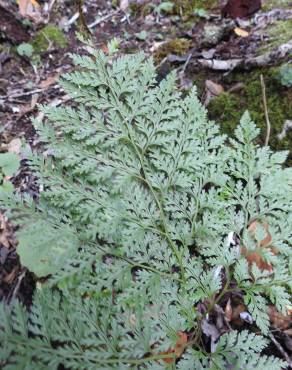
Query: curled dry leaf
x=228 y=311
x=240 y=32
x=254 y=256
x=178 y=349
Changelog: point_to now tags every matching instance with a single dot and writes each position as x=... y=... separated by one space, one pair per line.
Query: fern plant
x=147 y=220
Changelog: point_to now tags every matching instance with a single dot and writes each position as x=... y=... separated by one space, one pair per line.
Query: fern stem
x=172 y=245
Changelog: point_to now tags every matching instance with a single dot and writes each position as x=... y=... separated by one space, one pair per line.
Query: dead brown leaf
x=254 y=256
x=278 y=320
x=240 y=32
x=9 y=278
x=178 y=349
x=50 y=80
x=228 y=310
x=214 y=88
x=5 y=233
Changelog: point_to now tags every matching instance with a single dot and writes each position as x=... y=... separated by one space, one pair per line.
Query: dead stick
x=281 y=349
x=103 y=19
x=266 y=111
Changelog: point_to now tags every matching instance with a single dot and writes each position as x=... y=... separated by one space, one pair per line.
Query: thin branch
x=266 y=111
x=102 y=19
x=281 y=349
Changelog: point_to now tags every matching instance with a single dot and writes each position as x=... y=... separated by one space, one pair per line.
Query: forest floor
x=222 y=49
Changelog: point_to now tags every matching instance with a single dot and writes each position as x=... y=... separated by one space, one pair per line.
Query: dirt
x=177 y=39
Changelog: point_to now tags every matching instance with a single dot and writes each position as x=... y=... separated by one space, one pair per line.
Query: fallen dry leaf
x=289 y=310
x=34 y=100
x=30 y=9
x=104 y=48
x=254 y=256
x=278 y=320
x=236 y=314
x=156 y=45
x=5 y=232
x=50 y=80
x=178 y=349
x=9 y=278
x=228 y=310
x=14 y=146
x=240 y=32
x=214 y=88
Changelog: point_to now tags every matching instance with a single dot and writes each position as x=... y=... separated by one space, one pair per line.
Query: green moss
x=228 y=108
x=186 y=7
x=49 y=36
x=270 y=4
x=176 y=46
x=278 y=33
x=140 y=9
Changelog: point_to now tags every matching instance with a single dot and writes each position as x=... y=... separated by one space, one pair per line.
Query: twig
x=186 y=62
x=26 y=93
x=266 y=111
x=17 y=286
x=73 y=19
x=102 y=19
x=51 y=4
x=281 y=349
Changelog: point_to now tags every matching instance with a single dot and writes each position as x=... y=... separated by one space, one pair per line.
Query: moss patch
x=278 y=33
x=49 y=36
x=270 y=4
x=186 y=7
x=228 y=108
x=140 y=9
x=176 y=46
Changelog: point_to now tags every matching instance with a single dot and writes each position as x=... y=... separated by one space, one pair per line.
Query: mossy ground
x=186 y=7
x=49 y=36
x=270 y=4
x=278 y=33
x=228 y=108
x=178 y=46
